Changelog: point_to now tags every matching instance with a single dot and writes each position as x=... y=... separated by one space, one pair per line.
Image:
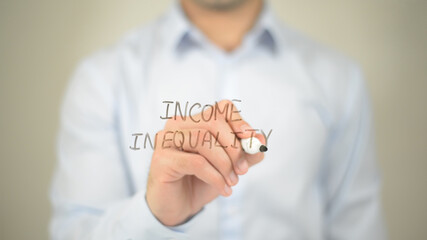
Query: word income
x=207 y=111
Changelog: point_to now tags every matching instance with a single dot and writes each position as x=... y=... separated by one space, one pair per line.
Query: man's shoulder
x=133 y=44
x=335 y=76
x=112 y=67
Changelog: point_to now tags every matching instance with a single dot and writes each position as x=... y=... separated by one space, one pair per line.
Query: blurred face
x=220 y=4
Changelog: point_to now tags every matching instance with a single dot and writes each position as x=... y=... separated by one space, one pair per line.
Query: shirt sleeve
x=352 y=181
x=90 y=192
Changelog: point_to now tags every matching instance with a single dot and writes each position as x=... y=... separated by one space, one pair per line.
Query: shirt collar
x=182 y=35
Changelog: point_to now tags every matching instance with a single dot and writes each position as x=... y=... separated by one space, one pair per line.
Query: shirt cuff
x=184 y=227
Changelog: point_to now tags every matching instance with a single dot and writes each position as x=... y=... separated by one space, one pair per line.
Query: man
x=318 y=180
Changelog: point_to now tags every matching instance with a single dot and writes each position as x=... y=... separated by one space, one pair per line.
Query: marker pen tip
x=263 y=148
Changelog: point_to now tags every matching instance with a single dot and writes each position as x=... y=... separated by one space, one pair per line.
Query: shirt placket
x=230 y=224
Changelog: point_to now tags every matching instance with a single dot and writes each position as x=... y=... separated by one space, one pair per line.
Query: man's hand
x=184 y=176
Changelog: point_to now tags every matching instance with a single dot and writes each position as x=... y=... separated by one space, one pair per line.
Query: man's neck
x=225 y=28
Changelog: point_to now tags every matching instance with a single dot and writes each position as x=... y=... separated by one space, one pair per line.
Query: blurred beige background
x=42 y=41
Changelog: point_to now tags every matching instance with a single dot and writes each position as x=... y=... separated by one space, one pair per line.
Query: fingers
x=192 y=140
x=243 y=130
x=230 y=143
x=184 y=163
x=234 y=123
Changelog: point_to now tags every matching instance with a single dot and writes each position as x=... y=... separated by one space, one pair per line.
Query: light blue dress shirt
x=319 y=179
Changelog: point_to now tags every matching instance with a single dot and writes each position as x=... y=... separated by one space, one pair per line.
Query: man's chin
x=220 y=5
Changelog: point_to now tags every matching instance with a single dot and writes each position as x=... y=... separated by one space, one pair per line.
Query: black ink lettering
x=207 y=133
x=181 y=142
x=178 y=107
x=197 y=139
x=166 y=140
x=252 y=135
x=224 y=111
x=266 y=137
x=136 y=135
x=216 y=141
x=147 y=137
x=203 y=112
x=235 y=140
x=190 y=113
x=232 y=111
x=167 y=110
